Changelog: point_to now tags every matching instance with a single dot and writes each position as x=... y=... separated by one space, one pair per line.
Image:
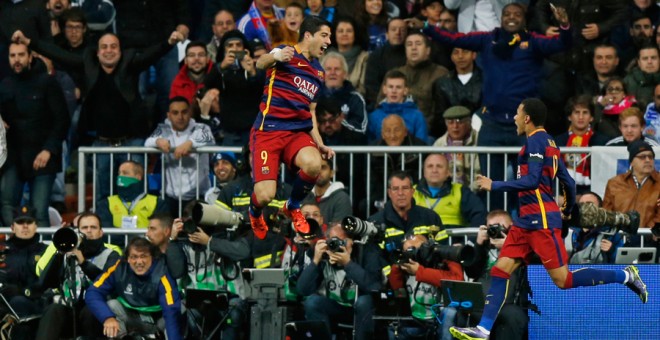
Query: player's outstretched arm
x=530 y=181
x=268 y=60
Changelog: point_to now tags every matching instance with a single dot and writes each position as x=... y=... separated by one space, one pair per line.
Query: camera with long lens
x=431 y=253
x=495 y=230
x=335 y=243
x=66 y=239
x=588 y=215
x=362 y=230
x=209 y=215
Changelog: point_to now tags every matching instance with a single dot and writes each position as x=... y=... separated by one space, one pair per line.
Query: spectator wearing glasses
x=613 y=100
x=448 y=21
x=401 y=215
x=74 y=39
x=196 y=65
x=460 y=133
x=639 y=188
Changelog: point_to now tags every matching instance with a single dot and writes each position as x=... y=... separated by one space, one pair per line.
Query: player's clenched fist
x=283 y=54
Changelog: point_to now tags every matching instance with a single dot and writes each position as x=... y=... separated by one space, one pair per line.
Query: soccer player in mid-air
x=286 y=129
x=538 y=229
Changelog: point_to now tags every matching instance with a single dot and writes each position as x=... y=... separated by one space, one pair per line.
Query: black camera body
x=496 y=230
x=189 y=226
x=335 y=244
x=403 y=256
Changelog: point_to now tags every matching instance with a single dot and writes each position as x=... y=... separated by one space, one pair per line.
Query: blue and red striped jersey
x=290 y=88
x=539 y=163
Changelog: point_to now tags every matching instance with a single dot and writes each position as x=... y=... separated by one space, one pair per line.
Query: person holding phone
x=236 y=84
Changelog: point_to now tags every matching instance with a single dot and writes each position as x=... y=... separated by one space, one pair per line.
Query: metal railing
x=460 y=234
x=367 y=152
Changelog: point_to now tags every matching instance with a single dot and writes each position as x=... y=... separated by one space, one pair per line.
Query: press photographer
x=512 y=320
x=421 y=281
x=20 y=284
x=70 y=263
x=137 y=295
x=299 y=249
x=213 y=261
x=338 y=282
x=588 y=244
x=401 y=215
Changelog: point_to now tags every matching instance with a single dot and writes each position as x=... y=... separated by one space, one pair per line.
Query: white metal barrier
x=86 y=152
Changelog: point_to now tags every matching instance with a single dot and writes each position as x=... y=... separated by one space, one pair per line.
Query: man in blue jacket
x=511 y=60
x=139 y=288
x=395 y=88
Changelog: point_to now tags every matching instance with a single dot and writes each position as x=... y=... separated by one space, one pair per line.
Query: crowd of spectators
x=175 y=76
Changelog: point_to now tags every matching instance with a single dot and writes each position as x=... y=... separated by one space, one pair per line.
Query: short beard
x=640 y=41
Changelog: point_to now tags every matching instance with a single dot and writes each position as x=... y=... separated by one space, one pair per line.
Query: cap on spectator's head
x=230 y=39
x=455 y=112
x=257 y=44
x=227 y=156
x=638 y=146
x=428 y=3
x=24 y=214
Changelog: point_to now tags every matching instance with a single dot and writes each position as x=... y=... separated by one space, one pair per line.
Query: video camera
x=430 y=253
x=496 y=230
x=362 y=230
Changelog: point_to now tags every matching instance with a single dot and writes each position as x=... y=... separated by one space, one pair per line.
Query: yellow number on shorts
x=264 y=156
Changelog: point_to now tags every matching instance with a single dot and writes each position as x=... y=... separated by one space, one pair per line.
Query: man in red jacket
x=191 y=76
x=421 y=283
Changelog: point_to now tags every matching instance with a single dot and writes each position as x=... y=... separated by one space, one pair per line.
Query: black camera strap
x=198 y=256
x=278 y=246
